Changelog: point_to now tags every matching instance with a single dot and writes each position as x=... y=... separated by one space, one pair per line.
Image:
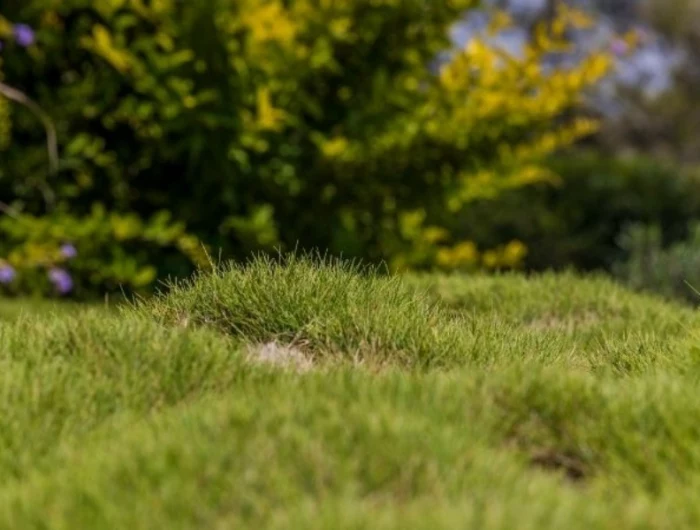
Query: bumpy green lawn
x=306 y=395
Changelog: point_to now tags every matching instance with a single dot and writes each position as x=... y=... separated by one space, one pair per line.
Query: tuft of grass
x=328 y=307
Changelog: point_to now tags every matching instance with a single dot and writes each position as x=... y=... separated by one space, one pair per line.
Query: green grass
x=423 y=402
x=12 y=309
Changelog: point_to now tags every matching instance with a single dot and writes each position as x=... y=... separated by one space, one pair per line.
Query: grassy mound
x=561 y=301
x=328 y=308
x=548 y=402
x=335 y=310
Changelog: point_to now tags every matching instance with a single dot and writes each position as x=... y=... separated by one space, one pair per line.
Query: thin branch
x=9 y=210
x=51 y=139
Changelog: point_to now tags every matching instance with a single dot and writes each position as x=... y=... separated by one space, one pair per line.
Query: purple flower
x=618 y=47
x=61 y=280
x=24 y=35
x=68 y=251
x=7 y=274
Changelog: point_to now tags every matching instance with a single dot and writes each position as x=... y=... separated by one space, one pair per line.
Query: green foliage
x=576 y=221
x=266 y=123
x=114 y=251
x=672 y=270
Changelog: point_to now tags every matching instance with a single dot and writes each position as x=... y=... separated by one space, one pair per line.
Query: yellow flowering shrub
x=311 y=123
x=407 y=142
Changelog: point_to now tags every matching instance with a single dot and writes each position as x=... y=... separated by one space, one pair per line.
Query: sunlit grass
x=424 y=402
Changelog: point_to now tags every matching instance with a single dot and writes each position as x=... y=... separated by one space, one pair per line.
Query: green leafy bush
x=670 y=270
x=266 y=123
x=62 y=253
x=576 y=221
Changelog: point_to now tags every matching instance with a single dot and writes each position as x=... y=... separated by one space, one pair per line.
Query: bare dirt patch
x=281 y=355
x=557 y=461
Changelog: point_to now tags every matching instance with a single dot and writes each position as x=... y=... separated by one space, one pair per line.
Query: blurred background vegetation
x=141 y=139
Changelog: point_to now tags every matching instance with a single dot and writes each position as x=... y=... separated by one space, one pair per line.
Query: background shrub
x=672 y=270
x=62 y=253
x=577 y=220
x=264 y=123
